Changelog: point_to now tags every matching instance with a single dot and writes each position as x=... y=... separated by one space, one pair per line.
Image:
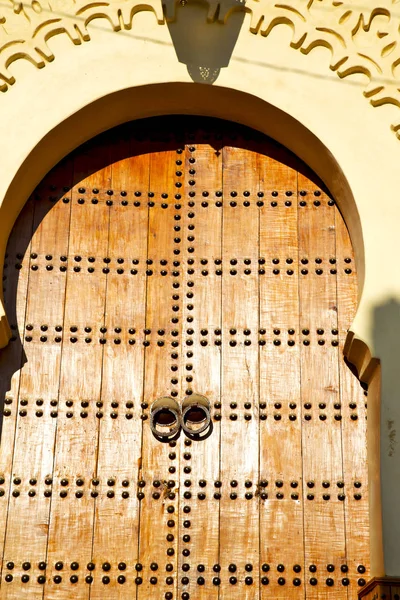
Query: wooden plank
x=395 y=592
x=322 y=444
x=38 y=394
x=160 y=461
x=201 y=367
x=15 y=284
x=380 y=592
x=239 y=545
x=117 y=518
x=281 y=512
x=72 y=509
x=353 y=411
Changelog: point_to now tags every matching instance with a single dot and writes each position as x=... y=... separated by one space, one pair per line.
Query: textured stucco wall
x=325 y=118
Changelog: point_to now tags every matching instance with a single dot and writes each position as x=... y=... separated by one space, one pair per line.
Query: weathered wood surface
x=281 y=513
x=158 y=527
x=120 y=432
x=76 y=445
x=38 y=391
x=172 y=258
x=201 y=371
x=322 y=469
x=239 y=544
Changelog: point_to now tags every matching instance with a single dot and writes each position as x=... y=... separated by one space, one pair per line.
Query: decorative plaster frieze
x=363 y=37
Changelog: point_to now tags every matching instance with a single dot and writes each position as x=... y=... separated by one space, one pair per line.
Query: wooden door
x=171 y=258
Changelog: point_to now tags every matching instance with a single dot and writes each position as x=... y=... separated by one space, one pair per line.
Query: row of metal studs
x=121 y=579
x=232 y=568
x=217 y=416
x=191 y=261
x=164 y=273
x=164 y=195
x=174 y=344
x=175 y=333
x=263 y=483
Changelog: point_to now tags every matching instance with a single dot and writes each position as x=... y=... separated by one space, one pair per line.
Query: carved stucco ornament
x=363 y=36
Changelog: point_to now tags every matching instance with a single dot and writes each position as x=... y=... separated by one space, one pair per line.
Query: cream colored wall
x=292 y=96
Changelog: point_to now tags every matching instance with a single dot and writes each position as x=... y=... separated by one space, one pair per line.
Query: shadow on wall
x=12 y=358
x=203 y=43
x=386 y=336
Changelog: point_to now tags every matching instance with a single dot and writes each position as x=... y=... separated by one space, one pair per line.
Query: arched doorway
x=173 y=257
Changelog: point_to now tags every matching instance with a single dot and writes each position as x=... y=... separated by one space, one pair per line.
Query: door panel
x=168 y=258
x=120 y=431
x=201 y=370
x=281 y=512
x=239 y=545
x=322 y=470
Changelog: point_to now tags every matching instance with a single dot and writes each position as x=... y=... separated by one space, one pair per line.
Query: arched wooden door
x=165 y=258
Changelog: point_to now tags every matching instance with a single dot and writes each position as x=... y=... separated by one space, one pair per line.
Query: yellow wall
x=321 y=80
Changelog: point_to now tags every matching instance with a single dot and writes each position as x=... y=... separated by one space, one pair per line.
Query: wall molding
x=381 y=587
x=357 y=352
x=362 y=39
